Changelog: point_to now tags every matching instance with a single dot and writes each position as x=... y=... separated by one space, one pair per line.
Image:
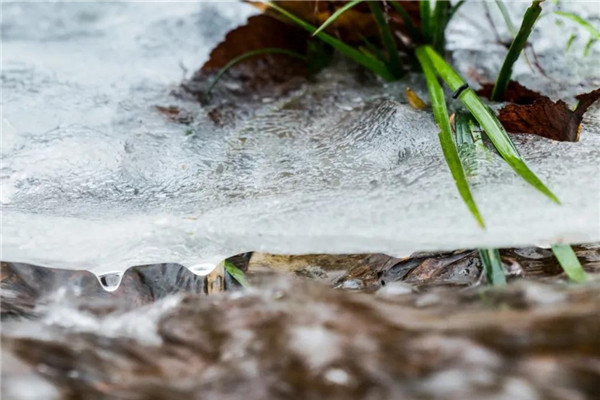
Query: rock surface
x=407 y=329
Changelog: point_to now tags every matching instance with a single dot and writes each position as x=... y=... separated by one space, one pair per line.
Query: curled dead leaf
x=414 y=100
x=538 y=114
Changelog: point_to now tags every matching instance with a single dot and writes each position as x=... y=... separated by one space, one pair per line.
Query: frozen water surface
x=93 y=177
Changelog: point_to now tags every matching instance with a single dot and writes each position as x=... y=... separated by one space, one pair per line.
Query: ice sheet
x=93 y=177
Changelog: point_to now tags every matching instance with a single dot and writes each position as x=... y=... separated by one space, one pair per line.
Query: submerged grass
x=440 y=114
x=250 y=54
x=568 y=261
x=492 y=266
x=517 y=45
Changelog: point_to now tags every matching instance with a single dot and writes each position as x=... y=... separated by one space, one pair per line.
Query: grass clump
x=440 y=113
x=434 y=19
x=429 y=41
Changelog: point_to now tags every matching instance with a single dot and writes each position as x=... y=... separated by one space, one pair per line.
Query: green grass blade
x=582 y=22
x=372 y=48
x=462 y=127
x=414 y=33
x=517 y=45
x=439 y=21
x=236 y=273
x=467 y=129
x=440 y=114
x=506 y=17
x=488 y=121
x=249 y=54
x=492 y=266
x=336 y=15
x=425 y=10
x=467 y=151
x=568 y=261
x=371 y=63
x=387 y=37
x=588 y=46
x=455 y=8
x=570 y=42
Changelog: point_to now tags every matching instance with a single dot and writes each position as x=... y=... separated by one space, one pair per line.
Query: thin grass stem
x=588 y=46
x=425 y=11
x=336 y=15
x=582 y=22
x=455 y=8
x=371 y=63
x=387 y=37
x=506 y=17
x=372 y=48
x=250 y=54
x=414 y=33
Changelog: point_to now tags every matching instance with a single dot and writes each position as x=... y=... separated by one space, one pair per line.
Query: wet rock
x=293 y=338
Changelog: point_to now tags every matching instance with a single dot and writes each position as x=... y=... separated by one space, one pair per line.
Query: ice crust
x=94 y=177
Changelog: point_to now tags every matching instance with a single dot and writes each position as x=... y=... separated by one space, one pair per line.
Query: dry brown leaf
x=537 y=114
x=414 y=100
x=261 y=31
x=266 y=75
x=553 y=120
x=515 y=93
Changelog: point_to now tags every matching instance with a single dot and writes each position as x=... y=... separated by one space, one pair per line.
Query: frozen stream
x=93 y=177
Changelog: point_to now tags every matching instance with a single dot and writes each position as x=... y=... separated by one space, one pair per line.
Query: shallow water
x=93 y=177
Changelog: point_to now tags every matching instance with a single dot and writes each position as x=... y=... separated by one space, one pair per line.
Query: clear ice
x=93 y=177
